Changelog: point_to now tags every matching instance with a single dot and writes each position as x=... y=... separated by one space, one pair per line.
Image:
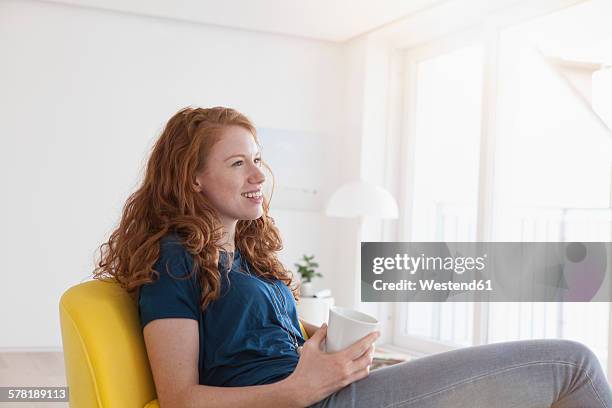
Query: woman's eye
x=241 y=162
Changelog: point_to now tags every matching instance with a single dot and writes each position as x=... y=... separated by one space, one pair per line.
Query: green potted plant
x=307 y=270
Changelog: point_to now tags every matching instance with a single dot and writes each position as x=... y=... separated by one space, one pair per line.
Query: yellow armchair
x=104 y=352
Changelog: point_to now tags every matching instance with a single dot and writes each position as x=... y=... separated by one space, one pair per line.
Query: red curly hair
x=167 y=202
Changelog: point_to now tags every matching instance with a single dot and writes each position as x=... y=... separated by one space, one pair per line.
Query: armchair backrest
x=104 y=352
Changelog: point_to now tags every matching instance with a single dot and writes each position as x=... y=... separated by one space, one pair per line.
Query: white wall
x=370 y=135
x=83 y=95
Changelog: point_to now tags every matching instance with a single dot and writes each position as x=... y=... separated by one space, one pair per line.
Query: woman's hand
x=319 y=374
x=310 y=328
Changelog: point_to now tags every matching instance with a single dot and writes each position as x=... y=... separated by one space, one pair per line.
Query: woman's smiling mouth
x=255 y=196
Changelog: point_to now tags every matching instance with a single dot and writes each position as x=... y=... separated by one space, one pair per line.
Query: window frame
x=488 y=34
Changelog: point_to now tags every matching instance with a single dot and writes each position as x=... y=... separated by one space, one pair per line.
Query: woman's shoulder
x=173 y=252
x=172 y=243
x=171 y=238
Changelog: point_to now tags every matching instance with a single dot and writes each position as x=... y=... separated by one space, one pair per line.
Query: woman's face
x=232 y=179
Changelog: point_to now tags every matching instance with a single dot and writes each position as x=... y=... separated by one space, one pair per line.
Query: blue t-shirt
x=242 y=340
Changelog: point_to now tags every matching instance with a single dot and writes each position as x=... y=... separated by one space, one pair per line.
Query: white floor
x=40 y=369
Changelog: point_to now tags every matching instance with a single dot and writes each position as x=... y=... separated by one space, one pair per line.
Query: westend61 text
x=430 y=284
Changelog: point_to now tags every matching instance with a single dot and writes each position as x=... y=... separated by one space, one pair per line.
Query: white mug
x=346 y=326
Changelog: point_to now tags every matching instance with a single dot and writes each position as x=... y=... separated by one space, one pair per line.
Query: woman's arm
x=278 y=394
x=173 y=345
x=310 y=328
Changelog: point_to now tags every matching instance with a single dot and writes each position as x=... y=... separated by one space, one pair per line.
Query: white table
x=314 y=310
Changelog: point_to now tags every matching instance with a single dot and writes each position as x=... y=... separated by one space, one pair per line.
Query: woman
x=197 y=248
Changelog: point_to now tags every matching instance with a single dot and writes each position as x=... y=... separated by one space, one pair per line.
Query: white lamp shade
x=361 y=199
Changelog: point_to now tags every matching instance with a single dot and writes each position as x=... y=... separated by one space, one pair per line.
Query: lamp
x=361 y=199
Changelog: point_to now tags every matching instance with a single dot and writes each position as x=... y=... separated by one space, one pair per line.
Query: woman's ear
x=197 y=186
x=197 y=182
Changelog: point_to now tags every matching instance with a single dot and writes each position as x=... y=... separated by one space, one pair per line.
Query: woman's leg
x=517 y=374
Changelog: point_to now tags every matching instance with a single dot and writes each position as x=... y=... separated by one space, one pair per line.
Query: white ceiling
x=579 y=33
x=332 y=20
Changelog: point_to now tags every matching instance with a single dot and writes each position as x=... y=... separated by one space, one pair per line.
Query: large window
x=522 y=92
x=448 y=117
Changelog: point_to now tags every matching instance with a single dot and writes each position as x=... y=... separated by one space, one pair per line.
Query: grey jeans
x=518 y=374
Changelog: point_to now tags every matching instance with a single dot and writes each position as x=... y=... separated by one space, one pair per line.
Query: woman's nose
x=258 y=176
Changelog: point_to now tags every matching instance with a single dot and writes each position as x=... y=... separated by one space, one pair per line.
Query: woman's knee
x=575 y=351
